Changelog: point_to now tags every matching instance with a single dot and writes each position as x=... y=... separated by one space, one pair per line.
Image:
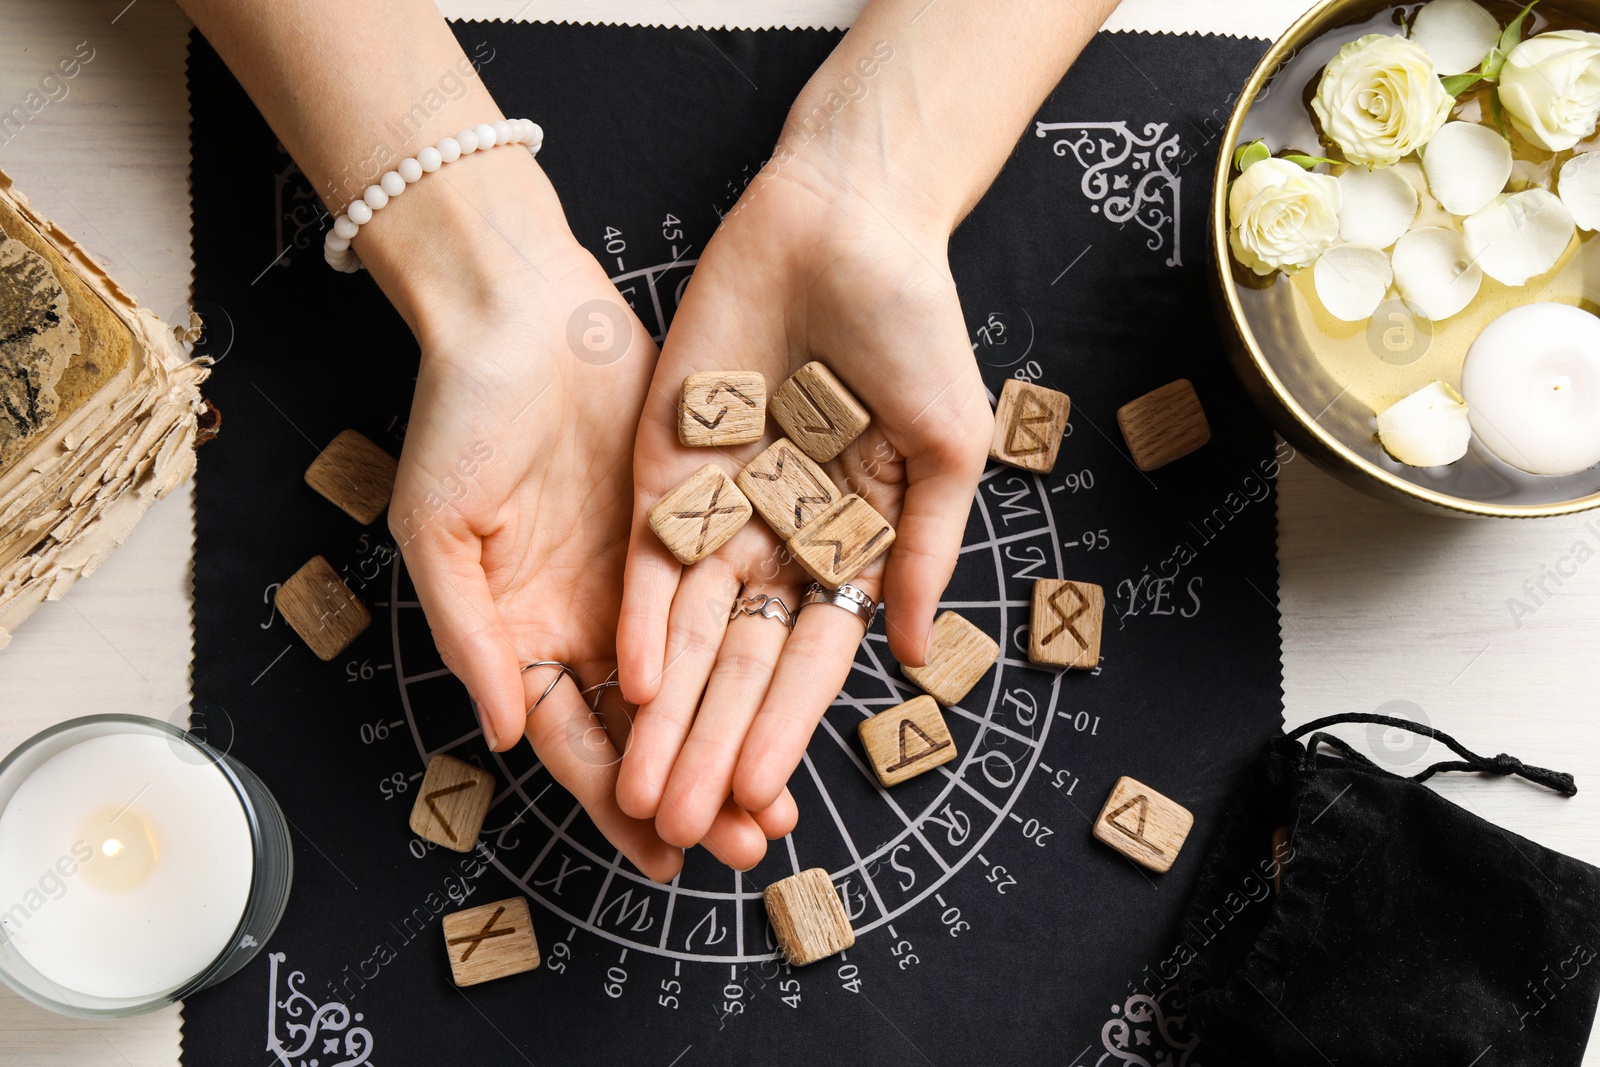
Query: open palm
x=512 y=507
x=799 y=271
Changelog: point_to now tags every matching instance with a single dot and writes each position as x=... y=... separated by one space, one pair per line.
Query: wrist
x=859 y=127
x=456 y=242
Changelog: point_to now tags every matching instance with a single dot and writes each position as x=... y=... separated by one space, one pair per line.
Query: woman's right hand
x=513 y=501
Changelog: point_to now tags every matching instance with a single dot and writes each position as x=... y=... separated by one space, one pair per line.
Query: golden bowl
x=1319 y=382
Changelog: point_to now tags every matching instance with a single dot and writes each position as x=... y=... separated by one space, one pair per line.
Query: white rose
x=1380 y=99
x=1550 y=86
x=1283 y=216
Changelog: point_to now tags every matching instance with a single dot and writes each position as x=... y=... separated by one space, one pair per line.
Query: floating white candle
x=1532 y=383
x=125 y=866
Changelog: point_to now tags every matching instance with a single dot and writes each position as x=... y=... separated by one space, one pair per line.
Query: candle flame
x=128 y=847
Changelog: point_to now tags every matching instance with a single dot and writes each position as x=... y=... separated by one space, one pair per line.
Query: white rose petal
x=1467 y=166
x=1380 y=99
x=1550 y=87
x=1282 y=216
x=1580 y=189
x=1429 y=428
x=1519 y=236
x=1435 y=275
x=1352 y=281
x=1430 y=213
x=1376 y=206
x=1457 y=34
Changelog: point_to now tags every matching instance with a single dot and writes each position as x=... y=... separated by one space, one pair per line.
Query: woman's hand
x=806 y=267
x=836 y=252
x=513 y=500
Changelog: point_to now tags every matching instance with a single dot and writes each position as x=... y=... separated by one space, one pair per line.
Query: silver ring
x=768 y=607
x=598 y=689
x=847 y=597
x=562 y=670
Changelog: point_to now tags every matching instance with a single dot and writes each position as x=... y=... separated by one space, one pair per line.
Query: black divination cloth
x=990 y=927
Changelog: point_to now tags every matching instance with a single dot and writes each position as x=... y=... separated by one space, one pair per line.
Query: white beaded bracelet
x=336 y=246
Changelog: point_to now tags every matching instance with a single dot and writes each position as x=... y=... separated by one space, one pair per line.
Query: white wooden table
x=1378 y=604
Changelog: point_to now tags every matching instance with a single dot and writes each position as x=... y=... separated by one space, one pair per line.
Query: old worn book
x=99 y=409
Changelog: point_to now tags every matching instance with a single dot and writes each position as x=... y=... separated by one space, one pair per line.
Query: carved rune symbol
x=1137 y=832
x=711 y=398
x=1029 y=413
x=827 y=427
x=484 y=934
x=928 y=747
x=1067 y=621
x=838 y=544
x=711 y=511
x=444 y=792
x=801 y=500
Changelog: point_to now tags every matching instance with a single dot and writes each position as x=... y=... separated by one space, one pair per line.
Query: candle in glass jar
x=125 y=866
x=1532 y=386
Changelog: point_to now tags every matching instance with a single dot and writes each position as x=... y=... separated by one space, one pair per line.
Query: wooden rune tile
x=818 y=413
x=786 y=488
x=1164 y=425
x=807 y=917
x=958 y=655
x=836 y=545
x=319 y=607
x=698 y=516
x=907 y=740
x=356 y=475
x=1065 y=628
x=722 y=408
x=451 y=803
x=1143 y=825
x=490 y=941
x=1028 y=423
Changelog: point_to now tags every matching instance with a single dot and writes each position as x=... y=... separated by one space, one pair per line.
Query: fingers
x=650 y=579
x=815 y=663
x=612 y=716
x=702 y=776
x=581 y=757
x=735 y=838
x=722 y=324
x=695 y=625
x=945 y=447
x=778 y=820
x=468 y=629
x=933 y=519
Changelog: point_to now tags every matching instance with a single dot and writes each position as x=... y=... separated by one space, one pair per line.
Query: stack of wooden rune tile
x=98 y=411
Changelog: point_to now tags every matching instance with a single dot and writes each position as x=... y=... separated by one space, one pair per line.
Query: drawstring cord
x=1501 y=764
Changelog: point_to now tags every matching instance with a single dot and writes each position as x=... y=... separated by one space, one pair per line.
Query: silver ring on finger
x=598 y=690
x=767 y=607
x=562 y=670
x=847 y=597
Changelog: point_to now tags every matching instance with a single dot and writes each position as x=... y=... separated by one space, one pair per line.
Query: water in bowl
x=1348 y=372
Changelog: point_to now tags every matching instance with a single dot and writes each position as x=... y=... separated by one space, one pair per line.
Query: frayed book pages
x=99 y=409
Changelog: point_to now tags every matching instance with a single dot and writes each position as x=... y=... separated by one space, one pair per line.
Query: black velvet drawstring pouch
x=1347 y=915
